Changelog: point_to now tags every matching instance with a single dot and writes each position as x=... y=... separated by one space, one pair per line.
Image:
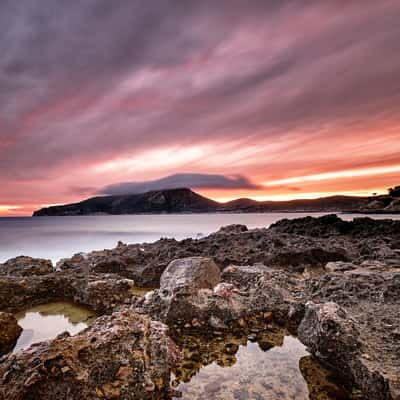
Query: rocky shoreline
x=335 y=284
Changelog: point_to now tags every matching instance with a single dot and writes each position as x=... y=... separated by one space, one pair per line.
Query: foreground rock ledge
x=124 y=355
x=339 y=281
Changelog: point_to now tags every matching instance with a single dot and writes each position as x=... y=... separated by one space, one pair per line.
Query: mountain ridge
x=184 y=200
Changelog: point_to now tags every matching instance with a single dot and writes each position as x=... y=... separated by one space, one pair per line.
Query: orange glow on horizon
x=335 y=175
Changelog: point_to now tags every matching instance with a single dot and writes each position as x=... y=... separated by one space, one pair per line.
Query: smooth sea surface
x=58 y=237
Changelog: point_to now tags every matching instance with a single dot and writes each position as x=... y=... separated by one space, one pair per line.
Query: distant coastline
x=186 y=201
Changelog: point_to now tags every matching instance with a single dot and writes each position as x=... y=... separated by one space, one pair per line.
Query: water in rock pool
x=277 y=366
x=46 y=321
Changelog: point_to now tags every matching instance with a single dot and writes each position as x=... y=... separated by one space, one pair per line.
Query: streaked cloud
x=350 y=174
x=94 y=92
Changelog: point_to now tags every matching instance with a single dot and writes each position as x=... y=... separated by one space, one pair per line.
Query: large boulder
x=26 y=266
x=9 y=332
x=122 y=356
x=188 y=295
x=189 y=275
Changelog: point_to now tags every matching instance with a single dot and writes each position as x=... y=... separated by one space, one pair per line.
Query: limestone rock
x=9 y=332
x=26 y=266
x=189 y=274
x=101 y=292
x=124 y=355
x=335 y=338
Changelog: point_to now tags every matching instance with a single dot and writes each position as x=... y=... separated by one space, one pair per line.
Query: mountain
x=160 y=201
x=184 y=200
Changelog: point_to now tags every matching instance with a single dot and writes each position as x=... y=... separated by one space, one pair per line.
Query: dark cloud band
x=193 y=181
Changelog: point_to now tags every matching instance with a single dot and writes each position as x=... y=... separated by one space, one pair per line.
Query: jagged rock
x=233 y=229
x=124 y=355
x=300 y=244
x=329 y=333
x=9 y=332
x=335 y=338
x=101 y=292
x=329 y=225
x=315 y=257
x=26 y=266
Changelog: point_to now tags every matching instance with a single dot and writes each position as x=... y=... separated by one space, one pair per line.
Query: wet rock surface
x=335 y=283
x=124 y=355
x=9 y=332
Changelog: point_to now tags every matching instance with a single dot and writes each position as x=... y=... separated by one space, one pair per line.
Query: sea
x=59 y=237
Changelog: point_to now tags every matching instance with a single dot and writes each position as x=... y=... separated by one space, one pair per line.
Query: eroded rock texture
x=9 y=332
x=124 y=355
x=337 y=283
x=26 y=266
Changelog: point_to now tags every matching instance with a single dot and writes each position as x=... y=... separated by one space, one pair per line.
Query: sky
x=268 y=99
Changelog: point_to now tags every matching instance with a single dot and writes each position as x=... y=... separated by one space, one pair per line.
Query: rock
x=118 y=356
x=101 y=292
x=9 y=332
x=394 y=206
x=179 y=301
x=244 y=275
x=189 y=274
x=232 y=229
x=268 y=277
x=329 y=225
x=26 y=266
x=296 y=245
x=328 y=332
x=333 y=337
x=375 y=205
x=186 y=294
x=339 y=266
x=314 y=257
x=319 y=381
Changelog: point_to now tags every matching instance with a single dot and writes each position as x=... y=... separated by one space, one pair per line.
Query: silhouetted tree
x=395 y=192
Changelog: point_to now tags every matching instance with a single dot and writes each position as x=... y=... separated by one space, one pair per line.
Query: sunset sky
x=267 y=99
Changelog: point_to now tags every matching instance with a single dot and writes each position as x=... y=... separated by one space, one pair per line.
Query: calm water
x=233 y=368
x=58 y=237
x=46 y=321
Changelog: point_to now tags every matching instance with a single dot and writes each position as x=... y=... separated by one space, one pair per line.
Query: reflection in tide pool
x=46 y=321
x=275 y=367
